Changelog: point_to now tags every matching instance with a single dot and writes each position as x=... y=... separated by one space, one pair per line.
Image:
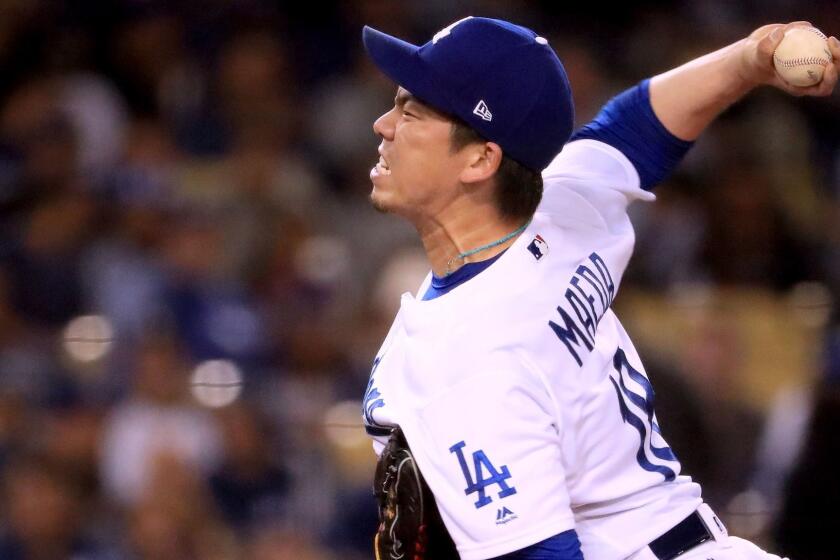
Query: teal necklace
x=490 y=245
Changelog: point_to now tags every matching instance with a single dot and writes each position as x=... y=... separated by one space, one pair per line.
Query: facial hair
x=377 y=204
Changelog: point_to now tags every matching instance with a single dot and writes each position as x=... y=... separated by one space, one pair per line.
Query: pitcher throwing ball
x=511 y=412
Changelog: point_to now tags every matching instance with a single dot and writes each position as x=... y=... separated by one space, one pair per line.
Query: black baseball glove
x=410 y=527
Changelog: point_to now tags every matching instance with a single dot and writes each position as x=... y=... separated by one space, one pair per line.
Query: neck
x=445 y=240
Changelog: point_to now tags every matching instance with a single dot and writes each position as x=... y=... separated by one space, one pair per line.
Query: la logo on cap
x=446 y=30
x=483 y=111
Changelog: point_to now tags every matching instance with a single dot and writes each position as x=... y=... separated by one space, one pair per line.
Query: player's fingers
x=830 y=75
x=767 y=45
x=819 y=90
x=829 y=81
x=834 y=48
x=795 y=91
x=825 y=87
x=764 y=30
x=762 y=56
x=798 y=24
x=779 y=34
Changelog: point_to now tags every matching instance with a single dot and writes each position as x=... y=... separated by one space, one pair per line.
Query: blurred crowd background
x=193 y=284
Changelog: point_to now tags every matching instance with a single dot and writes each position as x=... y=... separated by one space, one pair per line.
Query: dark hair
x=518 y=188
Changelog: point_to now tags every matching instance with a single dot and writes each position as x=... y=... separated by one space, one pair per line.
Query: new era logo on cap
x=482 y=111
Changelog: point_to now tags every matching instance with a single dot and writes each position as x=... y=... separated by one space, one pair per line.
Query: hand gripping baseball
x=756 y=61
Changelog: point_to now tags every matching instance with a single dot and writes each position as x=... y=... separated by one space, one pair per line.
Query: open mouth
x=383 y=167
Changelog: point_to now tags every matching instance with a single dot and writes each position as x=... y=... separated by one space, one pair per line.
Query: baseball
x=802 y=56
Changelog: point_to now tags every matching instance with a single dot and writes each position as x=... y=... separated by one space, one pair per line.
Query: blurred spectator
x=711 y=361
x=211 y=309
x=123 y=276
x=45 y=507
x=278 y=544
x=747 y=222
x=28 y=368
x=39 y=132
x=97 y=113
x=669 y=239
x=156 y=418
x=681 y=414
x=174 y=517
x=43 y=264
x=149 y=61
x=343 y=110
x=250 y=488
x=807 y=515
x=14 y=415
x=811 y=490
x=71 y=434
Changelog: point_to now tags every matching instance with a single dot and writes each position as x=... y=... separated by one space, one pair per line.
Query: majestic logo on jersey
x=481 y=464
x=538 y=247
x=483 y=111
x=636 y=407
x=590 y=293
x=504 y=515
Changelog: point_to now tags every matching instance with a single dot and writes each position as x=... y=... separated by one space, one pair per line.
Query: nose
x=384 y=125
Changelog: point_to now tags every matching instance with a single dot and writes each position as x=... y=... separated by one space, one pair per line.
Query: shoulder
x=592 y=159
x=589 y=185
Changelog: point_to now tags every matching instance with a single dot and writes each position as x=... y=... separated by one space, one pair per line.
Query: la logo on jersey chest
x=479 y=483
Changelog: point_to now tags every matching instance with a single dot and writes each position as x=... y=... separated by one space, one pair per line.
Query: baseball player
x=511 y=412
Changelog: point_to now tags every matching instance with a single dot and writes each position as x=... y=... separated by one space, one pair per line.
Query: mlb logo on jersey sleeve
x=538 y=247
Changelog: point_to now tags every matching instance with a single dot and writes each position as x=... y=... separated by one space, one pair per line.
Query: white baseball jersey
x=521 y=395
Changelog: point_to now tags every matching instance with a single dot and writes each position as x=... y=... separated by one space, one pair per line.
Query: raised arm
x=689 y=97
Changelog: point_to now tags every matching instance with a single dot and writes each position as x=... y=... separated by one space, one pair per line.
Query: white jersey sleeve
x=590 y=184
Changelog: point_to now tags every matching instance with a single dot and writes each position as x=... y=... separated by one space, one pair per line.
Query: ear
x=483 y=160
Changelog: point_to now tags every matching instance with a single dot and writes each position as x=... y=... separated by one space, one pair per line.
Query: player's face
x=417 y=173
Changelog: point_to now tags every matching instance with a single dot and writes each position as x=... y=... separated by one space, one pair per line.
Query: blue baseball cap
x=502 y=79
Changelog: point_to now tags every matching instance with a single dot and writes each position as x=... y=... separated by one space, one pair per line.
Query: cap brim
x=400 y=61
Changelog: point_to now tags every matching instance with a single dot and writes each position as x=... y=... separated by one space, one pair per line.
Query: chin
x=378 y=204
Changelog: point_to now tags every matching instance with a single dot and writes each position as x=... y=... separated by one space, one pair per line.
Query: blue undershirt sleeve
x=563 y=546
x=627 y=122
